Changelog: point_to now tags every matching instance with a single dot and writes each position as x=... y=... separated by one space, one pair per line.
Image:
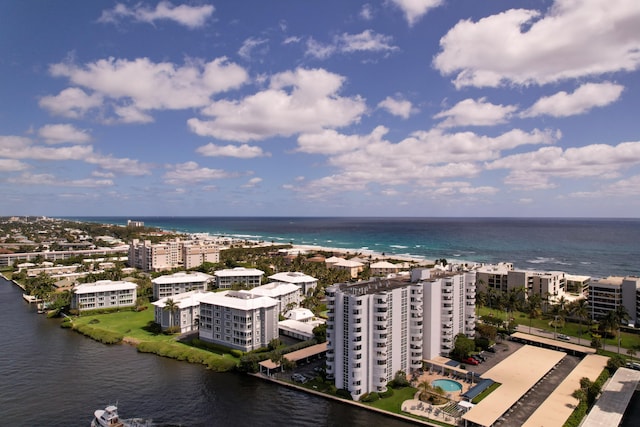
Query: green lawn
x=394 y=403
x=573 y=329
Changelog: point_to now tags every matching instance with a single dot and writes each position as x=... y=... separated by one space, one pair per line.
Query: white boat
x=107 y=417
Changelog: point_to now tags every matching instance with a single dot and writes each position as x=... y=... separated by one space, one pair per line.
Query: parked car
x=299 y=378
x=477 y=358
x=470 y=361
x=563 y=337
x=491 y=349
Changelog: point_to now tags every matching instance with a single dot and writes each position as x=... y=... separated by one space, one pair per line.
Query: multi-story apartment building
x=374 y=329
x=238 y=319
x=609 y=293
x=186 y=314
x=177 y=283
x=149 y=256
x=305 y=282
x=577 y=284
x=502 y=278
x=245 y=277
x=104 y=294
x=493 y=276
x=449 y=309
x=10 y=259
x=287 y=294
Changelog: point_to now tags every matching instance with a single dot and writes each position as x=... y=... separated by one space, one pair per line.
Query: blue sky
x=332 y=108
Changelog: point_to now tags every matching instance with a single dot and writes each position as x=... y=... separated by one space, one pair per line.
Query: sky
x=416 y=108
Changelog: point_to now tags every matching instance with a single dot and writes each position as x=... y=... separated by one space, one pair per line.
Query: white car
x=563 y=337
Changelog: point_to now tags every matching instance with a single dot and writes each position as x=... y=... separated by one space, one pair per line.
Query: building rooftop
x=182 y=277
x=242 y=300
x=183 y=300
x=239 y=272
x=292 y=277
x=104 y=286
x=372 y=286
x=275 y=289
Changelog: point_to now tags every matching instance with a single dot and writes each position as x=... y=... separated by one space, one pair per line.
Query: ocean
x=592 y=247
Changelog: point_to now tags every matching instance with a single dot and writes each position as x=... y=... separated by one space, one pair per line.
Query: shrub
x=100 y=335
x=387 y=393
x=369 y=397
x=344 y=394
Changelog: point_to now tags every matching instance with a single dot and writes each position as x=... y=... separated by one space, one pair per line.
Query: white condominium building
x=609 y=293
x=374 y=329
x=185 y=315
x=238 y=319
x=305 y=282
x=502 y=278
x=449 y=309
x=104 y=294
x=245 y=277
x=177 y=283
x=287 y=294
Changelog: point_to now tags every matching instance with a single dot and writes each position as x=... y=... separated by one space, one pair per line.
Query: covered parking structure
x=305 y=354
x=567 y=347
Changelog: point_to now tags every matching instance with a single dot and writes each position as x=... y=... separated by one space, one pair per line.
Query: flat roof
x=517 y=374
x=615 y=398
x=182 y=277
x=554 y=343
x=104 y=286
x=241 y=300
x=559 y=405
x=238 y=272
x=292 y=277
x=294 y=356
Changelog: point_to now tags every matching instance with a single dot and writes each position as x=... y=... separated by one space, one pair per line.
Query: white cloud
x=366 y=41
x=100 y=174
x=424 y=159
x=535 y=169
x=123 y=166
x=472 y=112
x=189 y=16
x=192 y=173
x=415 y=9
x=12 y=165
x=73 y=103
x=573 y=39
x=243 y=151
x=583 y=99
x=397 y=107
x=141 y=85
x=51 y=180
x=292 y=39
x=628 y=187
x=310 y=104
x=61 y=133
x=366 y=12
x=253 y=182
x=250 y=44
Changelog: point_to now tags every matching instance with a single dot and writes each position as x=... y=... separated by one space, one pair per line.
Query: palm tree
x=580 y=309
x=534 y=308
x=171 y=306
x=631 y=352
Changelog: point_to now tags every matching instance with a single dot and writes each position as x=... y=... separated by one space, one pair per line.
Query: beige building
x=148 y=256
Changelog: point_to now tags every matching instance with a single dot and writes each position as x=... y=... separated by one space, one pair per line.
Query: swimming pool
x=447 y=385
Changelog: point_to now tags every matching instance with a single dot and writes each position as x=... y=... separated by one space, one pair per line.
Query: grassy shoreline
x=136 y=328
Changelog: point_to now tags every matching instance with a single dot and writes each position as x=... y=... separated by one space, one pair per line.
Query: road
x=584 y=342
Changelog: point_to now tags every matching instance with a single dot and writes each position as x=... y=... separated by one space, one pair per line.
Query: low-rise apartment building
x=238 y=319
x=607 y=294
x=287 y=294
x=180 y=282
x=240 y=276
x=186 y=314
x=305 y=282
x=104 y=294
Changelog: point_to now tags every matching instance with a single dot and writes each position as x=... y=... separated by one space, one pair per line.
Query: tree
x=631 y=352
x=320 y=333
x=534 y=308
x=171 y=306
x=462 y=347
x=580 y=309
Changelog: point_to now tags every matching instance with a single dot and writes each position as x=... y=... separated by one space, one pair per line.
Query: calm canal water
x=55 y=377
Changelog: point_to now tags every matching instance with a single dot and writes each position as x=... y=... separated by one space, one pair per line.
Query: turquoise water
x=593 y=247
x=447 y=385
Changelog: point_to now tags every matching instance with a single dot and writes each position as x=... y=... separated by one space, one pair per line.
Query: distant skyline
x=419 y=108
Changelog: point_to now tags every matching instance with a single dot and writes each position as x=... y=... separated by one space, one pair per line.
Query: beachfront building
x=493 y=277
x=305 y=283
x=104 y=294
x=183 y=314
x=449 y=307
x=177 y=283
x=382 y=268
x=287 y=294
x=352 y=267
x=502 y=278
x=607 y=294
x=374 y=329
x=10 y=259
x=239 y=277
x=148 y=256
x=238 y=319
x=577 y=285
